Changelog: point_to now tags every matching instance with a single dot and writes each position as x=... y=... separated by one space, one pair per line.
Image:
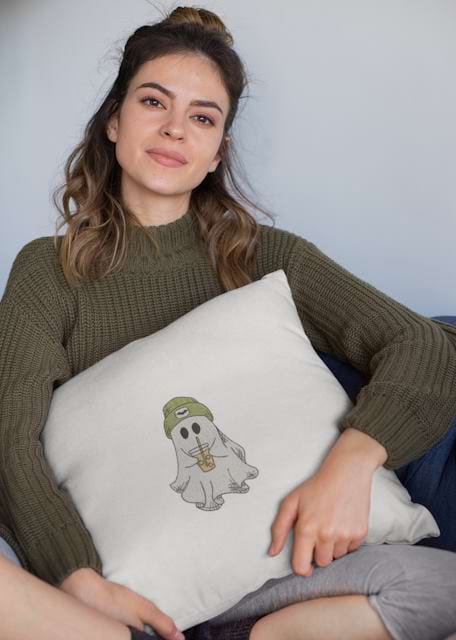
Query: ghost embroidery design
x=209 y=463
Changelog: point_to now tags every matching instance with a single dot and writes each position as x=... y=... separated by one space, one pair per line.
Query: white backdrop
x=349 y=133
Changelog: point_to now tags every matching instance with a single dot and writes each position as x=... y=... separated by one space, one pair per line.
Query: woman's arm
x=41 y=515
x=361 y=446
x=407 y=406
x=410 y=361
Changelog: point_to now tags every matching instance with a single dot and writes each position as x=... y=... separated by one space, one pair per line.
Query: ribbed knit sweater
x=50 y=332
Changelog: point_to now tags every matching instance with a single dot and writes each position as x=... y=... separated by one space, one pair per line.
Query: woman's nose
x=173 y=133
x=173 y=128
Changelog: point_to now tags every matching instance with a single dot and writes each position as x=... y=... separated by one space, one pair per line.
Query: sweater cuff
x=403 y=435
x=61 y=552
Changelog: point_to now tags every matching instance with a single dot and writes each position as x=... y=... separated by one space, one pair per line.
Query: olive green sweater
x=50 y=332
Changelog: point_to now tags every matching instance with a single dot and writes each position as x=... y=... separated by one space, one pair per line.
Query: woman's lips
x=164 y=160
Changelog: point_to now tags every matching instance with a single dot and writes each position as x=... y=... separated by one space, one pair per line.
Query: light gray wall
x=349 y=134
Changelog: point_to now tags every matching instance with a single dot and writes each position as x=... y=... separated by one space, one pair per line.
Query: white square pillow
x=178 y=448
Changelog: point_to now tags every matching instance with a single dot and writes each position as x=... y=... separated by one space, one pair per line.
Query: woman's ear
x=111 y=127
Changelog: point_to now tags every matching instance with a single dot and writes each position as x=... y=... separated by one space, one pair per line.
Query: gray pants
x=412 y=587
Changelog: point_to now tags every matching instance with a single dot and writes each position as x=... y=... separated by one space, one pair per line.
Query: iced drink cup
x=205 y=459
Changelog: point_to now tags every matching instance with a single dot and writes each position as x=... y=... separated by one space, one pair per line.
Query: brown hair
x=95 y=241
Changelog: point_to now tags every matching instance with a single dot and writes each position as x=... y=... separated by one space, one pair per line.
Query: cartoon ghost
x=209 y=463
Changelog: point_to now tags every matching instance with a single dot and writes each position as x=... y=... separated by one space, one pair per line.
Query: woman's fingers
x=282 y=524
x=324 y=553
x=324 y=530
x=341 y=548
x=356 y=543
x=164 y=625
x=303 y=548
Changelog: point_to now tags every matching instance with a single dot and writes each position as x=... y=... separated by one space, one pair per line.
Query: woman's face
x=149 y=118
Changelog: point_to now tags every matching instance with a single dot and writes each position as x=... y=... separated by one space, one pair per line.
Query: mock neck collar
x=171 y=236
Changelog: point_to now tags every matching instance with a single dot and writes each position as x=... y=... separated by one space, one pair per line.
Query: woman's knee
x=415 y=590
x=412 y=588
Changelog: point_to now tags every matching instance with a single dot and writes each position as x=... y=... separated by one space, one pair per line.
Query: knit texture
x=50 y=332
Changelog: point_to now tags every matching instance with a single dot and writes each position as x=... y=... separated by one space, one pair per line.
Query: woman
x=148 y=240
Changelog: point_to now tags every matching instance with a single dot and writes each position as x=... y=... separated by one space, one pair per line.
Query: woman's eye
x=150 y=99
x=207 y=119
x=211 y=122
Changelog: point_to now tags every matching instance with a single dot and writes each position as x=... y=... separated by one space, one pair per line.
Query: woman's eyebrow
x=170 y=94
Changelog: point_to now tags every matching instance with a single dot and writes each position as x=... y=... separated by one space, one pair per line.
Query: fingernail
x=271 y=549
x=178 y=636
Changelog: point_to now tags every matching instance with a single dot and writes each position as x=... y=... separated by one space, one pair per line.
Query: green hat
x=179 y=408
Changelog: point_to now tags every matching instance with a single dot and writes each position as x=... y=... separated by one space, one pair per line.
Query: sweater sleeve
x=409 y=361
x=40 y=514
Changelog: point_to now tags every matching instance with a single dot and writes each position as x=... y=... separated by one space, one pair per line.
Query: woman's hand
x=329 y=512
x=119 y=602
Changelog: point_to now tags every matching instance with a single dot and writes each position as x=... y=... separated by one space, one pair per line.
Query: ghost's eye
x=196 y=428
x=184 y=433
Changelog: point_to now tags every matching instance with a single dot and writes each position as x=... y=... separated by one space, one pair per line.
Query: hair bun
x=202 y=17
